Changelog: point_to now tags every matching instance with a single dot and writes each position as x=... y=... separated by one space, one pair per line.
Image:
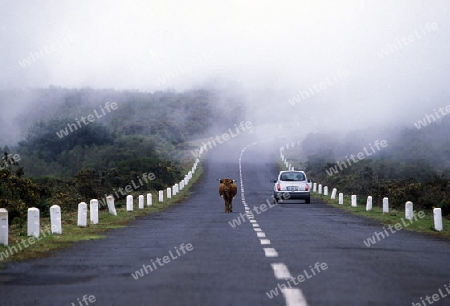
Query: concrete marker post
x=385 y=205
x=333 y=194
x=149 y=199
x=93 y=211
x=325 y=190
x=169 y=193
x=4 y=227
x=33 y=221
x=141 y=202
x=161 y=196
x=111 y=206
x=82 y=214
x=320 y=189
x=315 y=187
x=130 y=202
x=437 y=216
x=341 y=198
x=55 y=219
x=409 y=210
x=354 y=203
x=369 y=203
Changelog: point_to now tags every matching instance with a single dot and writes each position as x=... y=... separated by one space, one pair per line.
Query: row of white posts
x=33 y=217
x=317 y=188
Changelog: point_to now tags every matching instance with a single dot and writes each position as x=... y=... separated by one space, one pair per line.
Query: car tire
x=308 y=200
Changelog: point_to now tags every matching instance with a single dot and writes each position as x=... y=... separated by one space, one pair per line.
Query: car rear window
x=292 y=176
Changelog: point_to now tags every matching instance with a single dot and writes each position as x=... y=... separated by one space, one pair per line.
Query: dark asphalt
x=227 y=266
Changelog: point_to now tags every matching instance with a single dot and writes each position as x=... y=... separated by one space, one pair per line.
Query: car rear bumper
x=287 y=195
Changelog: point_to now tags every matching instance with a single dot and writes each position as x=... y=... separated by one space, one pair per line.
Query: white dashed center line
x=270 y=252
x=292 y=296
x=281 y=271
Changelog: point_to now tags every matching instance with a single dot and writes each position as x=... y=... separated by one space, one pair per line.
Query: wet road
x=204 y=260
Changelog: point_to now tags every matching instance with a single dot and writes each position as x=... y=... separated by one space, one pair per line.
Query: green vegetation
x=73 y=233
x=423 y=225
x=129 y=134
x=413 y=166
x=76 y=145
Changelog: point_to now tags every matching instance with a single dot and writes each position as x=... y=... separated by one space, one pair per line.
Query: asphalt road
x=225 y=265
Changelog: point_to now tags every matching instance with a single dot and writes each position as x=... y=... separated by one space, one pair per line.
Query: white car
x=291 y=185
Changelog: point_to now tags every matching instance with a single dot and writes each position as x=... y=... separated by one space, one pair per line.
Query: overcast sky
x=272 y=49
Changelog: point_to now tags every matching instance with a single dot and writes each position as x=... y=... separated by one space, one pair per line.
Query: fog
x=357 y=63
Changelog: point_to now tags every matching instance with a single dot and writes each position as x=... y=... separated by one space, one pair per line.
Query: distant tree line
x=143 y=135
x=415 y=166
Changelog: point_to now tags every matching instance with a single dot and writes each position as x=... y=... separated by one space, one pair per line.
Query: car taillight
x=306 y=187
x=278 y=187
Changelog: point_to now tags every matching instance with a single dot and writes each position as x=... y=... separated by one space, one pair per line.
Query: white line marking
x=294 y=297
x=257 y=229
x=260 y=235
x=255 y=224
x=270 y=252
x=281 y=271
x=252 y=221
x=264 y=241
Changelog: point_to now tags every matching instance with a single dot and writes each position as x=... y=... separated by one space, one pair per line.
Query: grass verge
x=22 y=247
x=422 y=225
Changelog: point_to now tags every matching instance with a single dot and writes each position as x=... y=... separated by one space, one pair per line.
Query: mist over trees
x=77 y=144
x=413 y=166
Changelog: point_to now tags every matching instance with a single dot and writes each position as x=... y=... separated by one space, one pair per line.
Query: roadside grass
x=71 y=233
x=422 y=225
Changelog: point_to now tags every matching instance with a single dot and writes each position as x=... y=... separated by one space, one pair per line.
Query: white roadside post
x=315 y=187
x=141 y=202
x=174 y=190
x=4 y=226
x=129 y=202
x=408 y=210
x=437 y=215
x=385 y=205
x=320 y=189
x=369 y=203
x=93 y=210
x=333 y=194
x=161 y=195
x=111 y=206
x=169 y=193
x=354 y=203
x=33 y=222
x=55 y=219
x=82 y=214
x=325 y=190
x=149 y=199
x=341 y=198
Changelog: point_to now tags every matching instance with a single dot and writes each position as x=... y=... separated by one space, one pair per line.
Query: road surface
x=210 y=262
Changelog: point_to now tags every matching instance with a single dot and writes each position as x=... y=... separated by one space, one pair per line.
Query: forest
x=80 y=144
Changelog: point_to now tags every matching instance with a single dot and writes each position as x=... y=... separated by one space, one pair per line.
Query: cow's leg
x=231 y=205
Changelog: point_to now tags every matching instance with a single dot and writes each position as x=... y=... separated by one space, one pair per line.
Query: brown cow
x=227 y=191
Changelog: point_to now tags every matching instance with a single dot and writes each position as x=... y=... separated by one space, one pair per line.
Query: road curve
x=240 y=265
